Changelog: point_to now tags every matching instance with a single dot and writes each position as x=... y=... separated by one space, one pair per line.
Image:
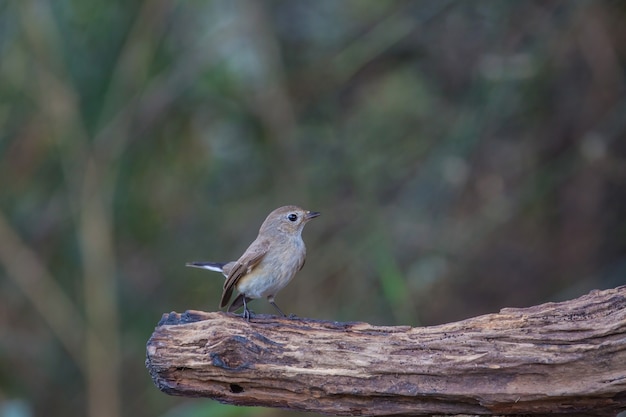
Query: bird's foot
x=248 y=314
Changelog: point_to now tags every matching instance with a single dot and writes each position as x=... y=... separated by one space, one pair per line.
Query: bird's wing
x=251 y=258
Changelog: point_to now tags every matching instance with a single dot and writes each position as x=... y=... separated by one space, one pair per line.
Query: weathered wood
x=567 y=357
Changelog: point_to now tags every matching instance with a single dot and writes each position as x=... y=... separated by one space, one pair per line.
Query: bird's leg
x=271 y=300
x=247 y=314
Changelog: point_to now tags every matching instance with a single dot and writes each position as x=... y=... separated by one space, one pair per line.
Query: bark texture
x=567 y=357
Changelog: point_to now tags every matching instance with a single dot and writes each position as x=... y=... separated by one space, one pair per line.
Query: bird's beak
x=311 y=215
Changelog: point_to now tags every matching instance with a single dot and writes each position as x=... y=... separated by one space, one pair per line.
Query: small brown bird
x=269 y=263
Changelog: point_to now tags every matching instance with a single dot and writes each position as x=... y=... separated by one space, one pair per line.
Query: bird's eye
x=292 y=217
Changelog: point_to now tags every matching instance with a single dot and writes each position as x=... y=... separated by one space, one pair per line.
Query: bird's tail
x=211 y=266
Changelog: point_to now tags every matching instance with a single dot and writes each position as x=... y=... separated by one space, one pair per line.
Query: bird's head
x=287 y=219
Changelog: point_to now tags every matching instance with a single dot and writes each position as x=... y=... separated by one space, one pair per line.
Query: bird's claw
x=248 y=314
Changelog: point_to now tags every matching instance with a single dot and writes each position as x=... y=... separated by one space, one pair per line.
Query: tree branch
x=567 y=357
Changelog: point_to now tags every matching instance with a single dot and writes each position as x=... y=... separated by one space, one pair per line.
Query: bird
x=270 y=262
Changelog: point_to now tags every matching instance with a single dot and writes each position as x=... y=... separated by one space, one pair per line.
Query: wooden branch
x=567 y=357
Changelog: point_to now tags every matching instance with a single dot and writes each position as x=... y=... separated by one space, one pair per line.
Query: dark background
x=465 y=156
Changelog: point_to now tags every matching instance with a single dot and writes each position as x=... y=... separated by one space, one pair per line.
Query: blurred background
x=465 y=156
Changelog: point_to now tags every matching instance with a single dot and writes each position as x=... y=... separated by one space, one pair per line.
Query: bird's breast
x=275 y=270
